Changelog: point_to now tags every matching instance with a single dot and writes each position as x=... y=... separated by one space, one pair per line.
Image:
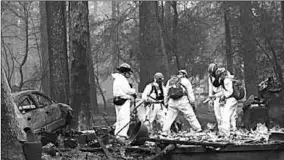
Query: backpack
x=238 y=89
x=176 y=90
x=158 y=96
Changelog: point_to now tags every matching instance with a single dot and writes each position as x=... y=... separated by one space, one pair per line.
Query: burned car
x=38 y=112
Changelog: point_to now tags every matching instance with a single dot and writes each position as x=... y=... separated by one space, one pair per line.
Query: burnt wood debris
x=145 y=80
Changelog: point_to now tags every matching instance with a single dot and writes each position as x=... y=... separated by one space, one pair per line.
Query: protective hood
x=116 y=75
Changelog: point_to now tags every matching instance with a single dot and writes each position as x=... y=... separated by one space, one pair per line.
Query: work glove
x=213 y=97
x=166 y=104
x=211 y=103
x=193 y=106
x=134 y=95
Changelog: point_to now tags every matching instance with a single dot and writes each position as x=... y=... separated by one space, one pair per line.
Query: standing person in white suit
x=229 y=111
x=153 y=97
x=214 y=87
x=217 y=92
x=123 y=94
x=179 y=96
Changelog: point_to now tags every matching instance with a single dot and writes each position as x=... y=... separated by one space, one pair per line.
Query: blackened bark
x=248 y=48
x=229 y=54
x=10 y=147
x=175 y=25
x=26 y=20
x=164 y=57
x=114 y=34
x=45 y=81
x=80 y=51
x=151 y=56
x=57 y=47
x=282 y=10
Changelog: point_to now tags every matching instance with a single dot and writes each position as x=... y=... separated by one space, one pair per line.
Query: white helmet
x=184 y=72
x=124 y=67
x=158 y=75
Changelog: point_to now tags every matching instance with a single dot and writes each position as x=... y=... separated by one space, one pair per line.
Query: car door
x=34 y=116
x=52 y=111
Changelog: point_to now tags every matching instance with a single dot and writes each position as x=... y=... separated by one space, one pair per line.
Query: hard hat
x=212 y=68
x=183 y=71
x=220 y=71
x=158 y=75
x=124 y=67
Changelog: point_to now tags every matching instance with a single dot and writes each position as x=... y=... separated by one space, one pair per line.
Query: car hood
x=65 y=107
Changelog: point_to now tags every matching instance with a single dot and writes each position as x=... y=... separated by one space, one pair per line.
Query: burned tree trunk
x=282 y=10
x=114 y=34
x=10 y=146
x=248 y=48
x=175 y=32
x=80 y=51
x=57 y=48
x=229 y=54
x=45 y=79
x=151 y=51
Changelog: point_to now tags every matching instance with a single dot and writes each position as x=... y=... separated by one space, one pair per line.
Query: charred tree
x=114 y=34
x=45 y=79
x=175 y=33
x=151 y=57
x=57 y=48
x=282 y=10
x=80 y=63
x=164 y=56
x=248 y=48
x=10 y=146
x=229 y=54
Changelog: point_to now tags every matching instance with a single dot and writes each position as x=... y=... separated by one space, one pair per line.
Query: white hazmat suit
x=229 y=111
x=183 y=105
x=155 y=109
x=121 y=88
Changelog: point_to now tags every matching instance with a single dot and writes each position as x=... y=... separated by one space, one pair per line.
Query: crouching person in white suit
x=179 y=96
x=153 y=97
x=123 y=93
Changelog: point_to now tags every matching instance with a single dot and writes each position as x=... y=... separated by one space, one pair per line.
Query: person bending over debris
x=215 y=87
x=123 y=93
x=179 y=97
x=228 y=102
x=153 y=97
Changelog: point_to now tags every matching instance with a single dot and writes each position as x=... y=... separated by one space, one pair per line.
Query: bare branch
x=11 y=9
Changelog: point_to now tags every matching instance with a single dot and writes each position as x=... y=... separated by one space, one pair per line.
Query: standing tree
x=248 y=48
x=229 y=54
x=175 y=34
x=10 y=130
x=152 y=50
x=45 y=80
x=282 y=10
x=114 y=33
x=80 y=51
x=57 y=47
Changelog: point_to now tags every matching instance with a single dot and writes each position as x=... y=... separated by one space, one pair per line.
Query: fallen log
x=190 y=142
x=107 y=153
x=165 y=151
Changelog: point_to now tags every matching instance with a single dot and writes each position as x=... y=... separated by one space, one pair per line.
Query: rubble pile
x=88 y=147
x=239 y=137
